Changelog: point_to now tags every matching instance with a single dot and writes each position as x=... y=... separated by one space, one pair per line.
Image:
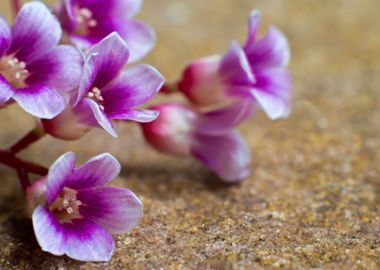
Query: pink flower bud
x=35 y=195
x=69 y=125
x=171 y=131
x=201 y=82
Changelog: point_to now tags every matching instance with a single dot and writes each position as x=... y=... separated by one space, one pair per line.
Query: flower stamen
x=14 y=71
x=66 y=206
x=96 y=95
x=85 y=20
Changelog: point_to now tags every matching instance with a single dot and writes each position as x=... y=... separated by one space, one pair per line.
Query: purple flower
x=255 y=71
x=87 y=22
x=76 y=213
x=209 y=137
x=34 y=71
x=106 y=92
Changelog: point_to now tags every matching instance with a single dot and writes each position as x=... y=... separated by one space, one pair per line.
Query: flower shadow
x=167 y=181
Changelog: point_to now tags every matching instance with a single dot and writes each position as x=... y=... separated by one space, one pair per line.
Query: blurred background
x=312 y=200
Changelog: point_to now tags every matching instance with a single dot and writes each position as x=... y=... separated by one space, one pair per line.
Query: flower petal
x=59 y=173
x=34 y=32
x=105 y=60
x=270 y=51
x=88 y=241
x=40 y=101
x=253 y=27
x=5 y=37
x=226 y=155
x=116 y=209
x=141 y=116
x=96 y=172
x=6 y=91
x=49 y=233
x=61 y=69
x=133 y=87
x=100 y=116
x=234 y=67
x=272 y=92
x=223 y=120
x=66 y=14
x=139 y=36
x=81 y=239
x=111 y=16
x=113 y=8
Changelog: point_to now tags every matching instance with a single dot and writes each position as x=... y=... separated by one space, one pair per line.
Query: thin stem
x=24 y=179
x=16 y=6
x=31 y=137
x=10 y=160
x=168 y=88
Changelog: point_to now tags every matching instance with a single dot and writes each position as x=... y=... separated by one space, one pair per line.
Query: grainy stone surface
x=312 y=200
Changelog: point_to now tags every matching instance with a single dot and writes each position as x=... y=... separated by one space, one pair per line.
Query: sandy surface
x=312 y=200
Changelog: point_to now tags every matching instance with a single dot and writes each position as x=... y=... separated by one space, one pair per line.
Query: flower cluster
x=223 y=92
x=71 y=88
x=72 y=67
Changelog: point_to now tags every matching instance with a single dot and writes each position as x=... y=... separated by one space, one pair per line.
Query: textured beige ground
x=312 y=200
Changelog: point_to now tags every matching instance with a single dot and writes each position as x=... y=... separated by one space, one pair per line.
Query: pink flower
x=208 y=137
x=87 y=22
x=107 y=92
x=255 y=71
x=75 y=213
x=34 y=71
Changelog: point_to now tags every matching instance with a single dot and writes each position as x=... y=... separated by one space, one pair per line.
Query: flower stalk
x=31 y=137
x=168 y=88
x=24 y=179
x=11 y=161
x=16 y=6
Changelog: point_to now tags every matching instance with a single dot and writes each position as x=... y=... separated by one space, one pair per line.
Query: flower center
x=96 y=95
x=66 y=206
x=85 y=20
x=14 y=71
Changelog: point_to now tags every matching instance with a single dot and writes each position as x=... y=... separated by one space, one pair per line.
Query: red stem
x=168 y=88
x=24 y=179
x=10 y=160
x=16 y=6
x=31 y=137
